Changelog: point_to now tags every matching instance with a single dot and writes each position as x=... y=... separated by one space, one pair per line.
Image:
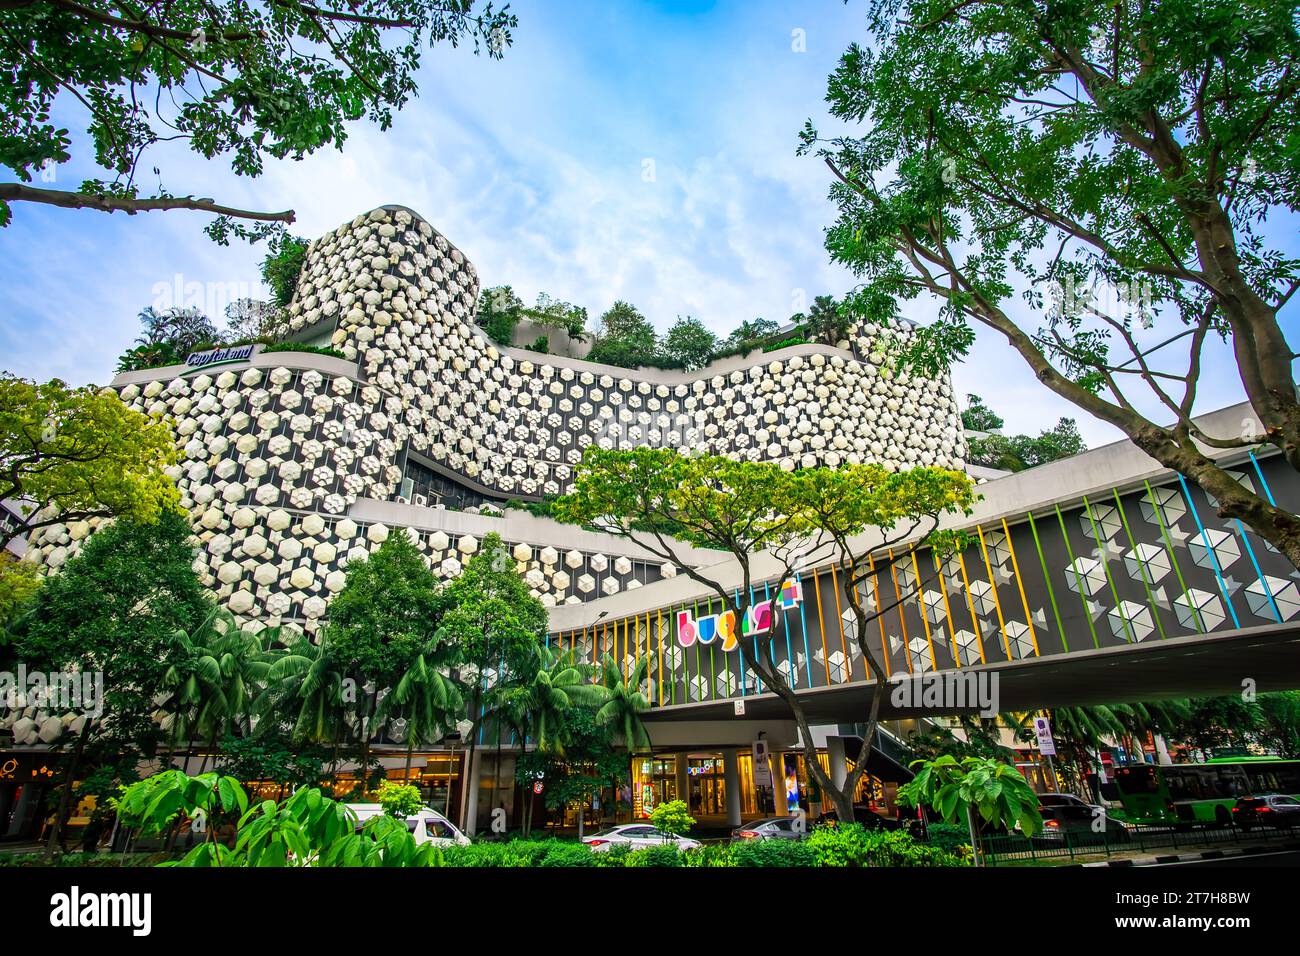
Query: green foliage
x=978 y=417
x=302 y=347
x=690 y=343
x=400 y=800
x=951 y=837
x=773 y=853
x=246 y=81
x=1278 y=729
x=954 y=788
x=749 y=333
x=282 y=266
x=491 y=616
x=307 y=829
x=255 y=759
x=499 y=310
x=114 y=608
x=388 y=610
x=76 y=453
x=625 y=337
x=853 y=845
x=654 y=856
x=541 y=344
x=19 y=581
x=1018 y=452
x=626 y=702
x=672 y=816
x=560 y=315
x=579 y=760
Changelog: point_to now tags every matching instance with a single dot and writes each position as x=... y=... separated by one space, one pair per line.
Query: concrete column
x=835 y=756
x=683 y=780
x=471 y=792
x=6 y=803
x=1162 y=752
x=731 y=779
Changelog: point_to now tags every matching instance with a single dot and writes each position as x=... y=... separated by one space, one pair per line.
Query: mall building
x=296 y=463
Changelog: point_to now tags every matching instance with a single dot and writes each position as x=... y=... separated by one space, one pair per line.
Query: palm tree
x=557 y=682
x=624 y=705
x=217 y=678
x=304 y=692
x=424 y=696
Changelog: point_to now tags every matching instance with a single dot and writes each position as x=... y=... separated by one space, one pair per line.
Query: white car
x=427 y=826
x=638 y=836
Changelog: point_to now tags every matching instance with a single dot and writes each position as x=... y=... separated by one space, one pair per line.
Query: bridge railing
x=1117 y=838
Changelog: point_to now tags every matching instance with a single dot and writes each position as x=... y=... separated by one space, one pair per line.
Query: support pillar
x=473 y=771
x=683 y=780
x=835 y=756
x=25 y=809
x=731 y=780
x=1162 y=752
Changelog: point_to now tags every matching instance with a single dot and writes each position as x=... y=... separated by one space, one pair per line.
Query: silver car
x=638 y=836
x=771 y=828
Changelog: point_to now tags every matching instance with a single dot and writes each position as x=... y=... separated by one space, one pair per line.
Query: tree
x=626 y=702
x=19 y=582
x=425 y=697
x=827 y=321
x=386 y=614
x=303 y=696
x=495 y=625
x=658 y=499
x=112 y=610
x=956 y=789
x=559 y=314
x=978 y=417
x=214 y=678
x=1016 y=452
x=1279 y=725
x=1051 y=153
x=689 y=343
x=625 y=337
x=245 y=80
x=578 y=762
x=558 y=682
x=259 y=759
x=68 y=454
x=253 y=319
x=499 y=311
x=400 y=800
x=750 y=332
x=282 y=266
x=1217 y=722
x=673 y=816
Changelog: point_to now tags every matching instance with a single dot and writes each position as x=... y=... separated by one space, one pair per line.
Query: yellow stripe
x=993 y=586
x=1015 y=566
x=970 y=603
x=947 y=608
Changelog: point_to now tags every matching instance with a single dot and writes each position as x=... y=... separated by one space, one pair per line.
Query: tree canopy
x=236 y=79
x=1016 y=452
x=1072 y=176
x=67 y=454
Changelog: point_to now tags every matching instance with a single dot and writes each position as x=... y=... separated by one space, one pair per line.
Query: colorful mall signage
x=759 y=620
x=234 y=353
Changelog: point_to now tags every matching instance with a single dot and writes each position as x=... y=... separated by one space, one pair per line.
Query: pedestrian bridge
x=1096 y=579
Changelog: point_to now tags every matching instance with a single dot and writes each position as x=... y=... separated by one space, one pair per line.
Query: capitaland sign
x=233 y=353
x=759 y=620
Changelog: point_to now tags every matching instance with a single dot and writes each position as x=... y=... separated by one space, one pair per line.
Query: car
x=638 y=836
x=1067 y=800
x=866 y=816
x=1078 y=821
x=426 y=825
x=1266 y=810
x=770 y=828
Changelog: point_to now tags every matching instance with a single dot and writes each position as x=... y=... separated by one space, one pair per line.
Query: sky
x=621 y=150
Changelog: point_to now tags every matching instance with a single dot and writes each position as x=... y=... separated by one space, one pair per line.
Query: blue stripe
x=1214 y=560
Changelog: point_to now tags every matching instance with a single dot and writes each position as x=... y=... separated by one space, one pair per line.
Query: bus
x=1200 y=793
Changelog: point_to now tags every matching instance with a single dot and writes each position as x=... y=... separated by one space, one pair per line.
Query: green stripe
x=1105 y=566
x=1078 y=579
x=1146 y=585
x=1169 y=547
x=1051 y=595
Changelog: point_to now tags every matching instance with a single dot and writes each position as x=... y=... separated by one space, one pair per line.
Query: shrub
x=615 y=856
x=773 y=853
x=852 y=845
x=541 y=344
x=400 y=800
x=302 y=347
x=672 y=817
x=656 y=856
x=281 y=267
x=711 y=854
x=951 y=837
x=569 y=855
x=515 y=853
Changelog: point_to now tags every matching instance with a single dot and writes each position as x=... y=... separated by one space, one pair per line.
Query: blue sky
x=533 y=166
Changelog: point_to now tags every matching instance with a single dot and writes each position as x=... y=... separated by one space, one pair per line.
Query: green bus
x=1193 y=793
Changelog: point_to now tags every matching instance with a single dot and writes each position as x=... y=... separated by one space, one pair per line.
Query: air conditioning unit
x=422 y=501
x=402 y=499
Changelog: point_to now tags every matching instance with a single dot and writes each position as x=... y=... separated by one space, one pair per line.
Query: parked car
x=426 y=825
x=770 y=828
x=868 y=817
x=637 y=836
x=1266 y=810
